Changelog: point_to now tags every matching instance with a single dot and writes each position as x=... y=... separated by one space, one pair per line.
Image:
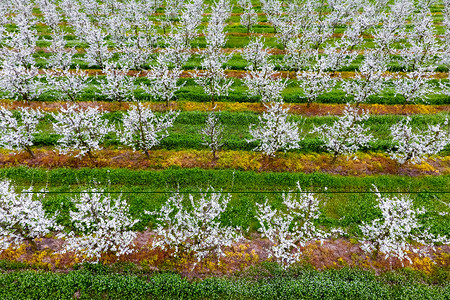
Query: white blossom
x=369 y=80
x=347 y=134
x=195 y=230
x=415 y=145
x=391 y=234
x=20 y=82
x=97 y=54
x=249 y=17
x=212 y=76
x=274 y=132
x=414 y=87
x=19 y=135
x=102 y=224
x=163 y=82
x=118 y=86
x=291 y=228
x=255 y=53
x=212 y=133
x=314 y=83
x=143 y=130
x=190 y=19
x=81 y=129
x=265 y=83
x=22 y=217
x=68 y=84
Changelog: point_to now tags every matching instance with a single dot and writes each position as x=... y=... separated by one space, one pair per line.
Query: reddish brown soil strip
x=367 y=164
x=331 y=254
x=315 y=109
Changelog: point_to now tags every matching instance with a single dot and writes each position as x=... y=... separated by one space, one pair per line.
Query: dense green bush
x=98 y=282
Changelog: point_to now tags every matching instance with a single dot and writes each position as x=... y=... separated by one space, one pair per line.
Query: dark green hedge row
x=93 y=283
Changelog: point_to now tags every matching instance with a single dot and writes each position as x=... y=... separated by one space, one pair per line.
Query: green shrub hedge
x=99 y=283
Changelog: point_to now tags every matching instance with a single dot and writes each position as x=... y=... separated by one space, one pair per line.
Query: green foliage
x=148 y=190
x=302 y=283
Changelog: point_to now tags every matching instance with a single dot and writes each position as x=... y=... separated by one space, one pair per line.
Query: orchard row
x=121 y=36
x=101 y=223
x=82 y=131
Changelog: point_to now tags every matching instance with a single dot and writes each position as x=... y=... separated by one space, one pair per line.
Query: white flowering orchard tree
x=195 y=230
x=118 y=86
x=102 y=224
x=265 y=83
x=22 y=217
x=391 y=234
x=97 y=54
x=274 y=131
x=212 y=133
x=314 y=83
x=369 y=80
x=60 y=57
x=249 y=17
x=212 y=77
x=175 y=53
x=292 y=228
x=414 y=145
x=163 y=82
x=190 y=19
x=414 y=87
x=67 y=84
x=20 y=83
x=347 y=134
x=143 y=130
x=255 y=53
x=81 y=129
x=15 y=135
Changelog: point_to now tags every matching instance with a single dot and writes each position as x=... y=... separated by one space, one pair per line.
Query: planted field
x=227 y=149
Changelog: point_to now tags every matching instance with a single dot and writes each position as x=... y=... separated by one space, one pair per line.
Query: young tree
x=394 y=23
x=414 y=146
x=314 y=83
x=196 y=230
x=292 y=228
x=163 y=81
x=391 y=234
x=264 y=83
x=212 y=76
x=175 y=53
x=20 y=82
x=15 y=135
x=422 y=47
x=22 y=217
x=249 y=17
x=274 y=131
x=143 y=130
x=67 y=84
x=60 y=58
x=97 y=54
x=81 y=129
x=102 y=225
x=190 y=19
x=118 y=86
x=212 y=133
x=347 y=134
x=369 y=80
x=255 y=53
x=414 y=87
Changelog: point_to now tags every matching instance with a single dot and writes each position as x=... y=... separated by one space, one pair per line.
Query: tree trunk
x=30 y=152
